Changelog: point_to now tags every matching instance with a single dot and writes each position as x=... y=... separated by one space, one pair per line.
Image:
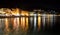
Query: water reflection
x=16 y=24
x=43 y=21
x=26 y=23
x=51 y=19
x=39 y=21
x=23 y=25
x=35 y=21
x=6 y=24
x=23 y=22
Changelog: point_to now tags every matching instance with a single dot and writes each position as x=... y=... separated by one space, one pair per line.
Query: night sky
x=31 y=4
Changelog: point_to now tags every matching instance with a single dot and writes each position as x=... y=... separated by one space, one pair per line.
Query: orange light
x=26 y=23
x=6 y=24
x=23 y=22
x=39 y=21
x=16 y=23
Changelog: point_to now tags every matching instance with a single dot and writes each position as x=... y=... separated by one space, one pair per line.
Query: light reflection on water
x=22 y=25
x=39 y=22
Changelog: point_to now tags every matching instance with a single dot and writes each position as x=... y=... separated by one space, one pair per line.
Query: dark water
x=41 y=25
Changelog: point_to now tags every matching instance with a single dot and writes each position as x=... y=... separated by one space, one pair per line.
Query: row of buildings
x=19 y=12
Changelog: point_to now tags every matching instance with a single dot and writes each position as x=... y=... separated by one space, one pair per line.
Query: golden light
x=23 y=22
x=2 y=12
x=31 y=14
x=17 y=11
x=16 y=23
x=39 y=21
x=24 y=13
x=27 y=13
x=6 y=24
x=26 y=23
x=39 y=14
